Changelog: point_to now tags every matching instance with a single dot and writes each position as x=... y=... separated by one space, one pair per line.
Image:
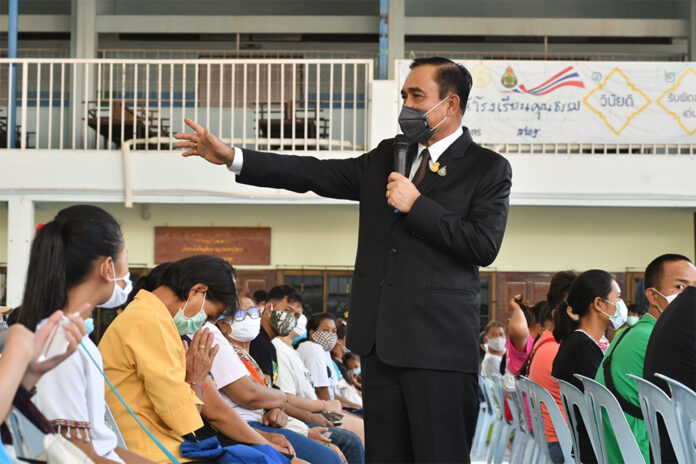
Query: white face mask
x=669 y=298
x=118 y=295
x=497 y=344
x=246 y=330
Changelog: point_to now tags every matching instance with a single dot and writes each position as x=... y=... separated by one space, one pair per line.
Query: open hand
x=204 y=144
x=74 y=332
x=401 y=193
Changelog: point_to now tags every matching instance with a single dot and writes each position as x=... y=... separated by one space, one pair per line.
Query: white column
x=397 y=32
x=20 y=233
x=83 y=44
x=383 y=111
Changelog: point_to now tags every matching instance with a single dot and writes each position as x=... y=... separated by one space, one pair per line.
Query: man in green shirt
x=665 y=277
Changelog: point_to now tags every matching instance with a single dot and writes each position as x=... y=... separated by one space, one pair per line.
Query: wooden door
x=249 y=281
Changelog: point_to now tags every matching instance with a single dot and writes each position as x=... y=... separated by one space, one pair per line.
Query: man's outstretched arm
x=329 y=178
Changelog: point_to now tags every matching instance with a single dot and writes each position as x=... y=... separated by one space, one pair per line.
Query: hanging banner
x=580 y=102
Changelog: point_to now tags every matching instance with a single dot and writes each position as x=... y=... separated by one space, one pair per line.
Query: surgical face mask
x=355 y=371
x=620 y=315
x=669 y=298
x=497 y=344
x=414 y=123
x=118 y=295
x=246 y=330
x=282 y=323
x=190 y=325
x=326 y=339
x=632 y=320
x=301 y=327
x=89 y=325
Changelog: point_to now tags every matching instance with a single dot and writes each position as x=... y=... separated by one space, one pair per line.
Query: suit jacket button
x=393 y=251
x=381 y=283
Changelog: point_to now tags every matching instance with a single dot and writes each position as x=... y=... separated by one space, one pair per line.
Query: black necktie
x=422 y=168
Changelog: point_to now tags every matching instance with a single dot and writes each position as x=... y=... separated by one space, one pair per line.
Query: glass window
x=312 y=288
x=338 y=295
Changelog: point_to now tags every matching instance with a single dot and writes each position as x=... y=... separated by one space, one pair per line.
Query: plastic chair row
x=677 y=413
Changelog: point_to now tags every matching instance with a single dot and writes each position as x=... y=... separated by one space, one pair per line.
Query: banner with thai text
x=579 y=102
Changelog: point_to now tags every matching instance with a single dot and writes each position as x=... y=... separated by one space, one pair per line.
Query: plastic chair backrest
x=684 y=401
x=498 y=380
x=653 y=401
x=571 y=398
x=111 y=422
x=494 y=397
x=540 y=395
x=600 y=398
x=28 y=439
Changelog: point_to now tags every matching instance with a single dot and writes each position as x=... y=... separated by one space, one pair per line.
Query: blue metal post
x=383 y=38
x=12 y=53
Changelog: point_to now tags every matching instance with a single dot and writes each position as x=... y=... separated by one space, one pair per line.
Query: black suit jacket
x=415 y=292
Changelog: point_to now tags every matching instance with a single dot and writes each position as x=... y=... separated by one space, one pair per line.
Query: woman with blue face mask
x=159 y=377
x=78 y=261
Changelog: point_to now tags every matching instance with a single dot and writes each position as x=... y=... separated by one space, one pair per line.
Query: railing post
x=12 y=31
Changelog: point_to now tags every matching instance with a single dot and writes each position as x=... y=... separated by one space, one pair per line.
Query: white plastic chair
x=573 y=398
x=684 y=401
x=111 y=422
x=486 y=417
x=501 y=428
x=26 y=437
x=523 y=443
x=542 y=396
x=533 y=453
x=653 y=401
x=599 y=397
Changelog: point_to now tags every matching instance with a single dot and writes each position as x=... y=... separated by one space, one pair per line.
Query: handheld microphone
x=400 y=147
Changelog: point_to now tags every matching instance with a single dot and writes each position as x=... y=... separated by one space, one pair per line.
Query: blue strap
x=113 y=389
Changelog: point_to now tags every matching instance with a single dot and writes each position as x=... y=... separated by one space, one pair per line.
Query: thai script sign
x=238 y=245
x=579 y=102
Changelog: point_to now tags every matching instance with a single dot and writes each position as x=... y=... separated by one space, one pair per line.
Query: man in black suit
x=415 y=300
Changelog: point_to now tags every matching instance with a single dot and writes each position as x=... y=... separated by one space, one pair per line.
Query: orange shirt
x=540 y=372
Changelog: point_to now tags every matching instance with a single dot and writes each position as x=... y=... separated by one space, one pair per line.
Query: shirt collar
x=439 y=147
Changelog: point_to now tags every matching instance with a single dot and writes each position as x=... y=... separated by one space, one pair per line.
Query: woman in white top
x=315 y=354
x=78 y=260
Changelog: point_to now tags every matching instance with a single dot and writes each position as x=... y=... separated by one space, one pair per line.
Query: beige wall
x=537 y=238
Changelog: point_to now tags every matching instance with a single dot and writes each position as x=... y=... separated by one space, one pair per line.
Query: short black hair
x=314 y=320
x=451 y=78
x=180 y=276
x=348 y=356
x=260 y=296
x=637 y=309
x=655 y=270
x=279 y=292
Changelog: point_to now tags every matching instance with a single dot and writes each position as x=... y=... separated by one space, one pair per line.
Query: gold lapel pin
x=435 y=167
x=442 y=172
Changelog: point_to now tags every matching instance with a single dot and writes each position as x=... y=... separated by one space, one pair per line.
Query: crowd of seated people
x=201 y=371
x=584 y=327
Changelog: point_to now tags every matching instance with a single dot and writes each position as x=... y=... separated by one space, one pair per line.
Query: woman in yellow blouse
x=144 y=357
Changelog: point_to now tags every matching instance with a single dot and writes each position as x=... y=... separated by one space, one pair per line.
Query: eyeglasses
x=253 y=313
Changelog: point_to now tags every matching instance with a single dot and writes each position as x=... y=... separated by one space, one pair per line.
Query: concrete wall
x=538 y=238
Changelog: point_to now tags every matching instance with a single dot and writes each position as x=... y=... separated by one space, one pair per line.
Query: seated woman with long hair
x=77 y=262
x=593 y=305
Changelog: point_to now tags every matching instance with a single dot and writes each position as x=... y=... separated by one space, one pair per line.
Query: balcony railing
x=294 y=104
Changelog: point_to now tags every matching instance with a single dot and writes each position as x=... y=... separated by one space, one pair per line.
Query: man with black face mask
x=415 y=299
